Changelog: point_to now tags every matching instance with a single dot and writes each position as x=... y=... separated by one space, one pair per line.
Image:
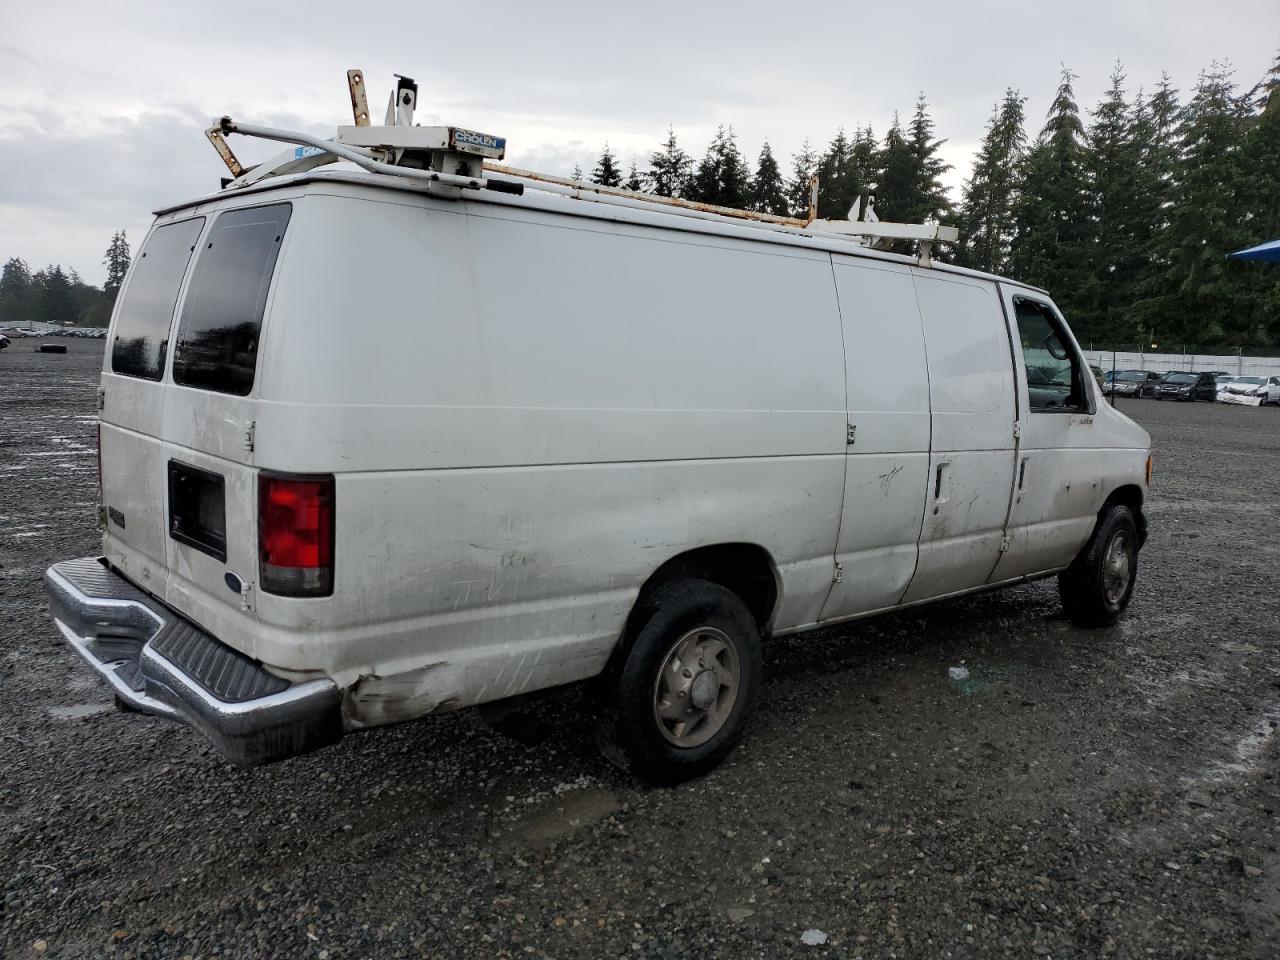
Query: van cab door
x=1059 y=466
x=973 y=410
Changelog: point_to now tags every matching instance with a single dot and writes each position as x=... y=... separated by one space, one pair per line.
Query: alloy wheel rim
x=1117 y=567
x=697 y=687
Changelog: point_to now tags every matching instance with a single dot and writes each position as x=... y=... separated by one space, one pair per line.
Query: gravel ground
x=1081 y=794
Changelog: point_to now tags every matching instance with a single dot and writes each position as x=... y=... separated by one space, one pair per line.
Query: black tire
x=626 y=696
x=1088 y=588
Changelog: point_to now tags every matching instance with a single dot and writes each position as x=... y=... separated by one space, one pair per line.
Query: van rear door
x=210 y=416
x=185 y=464
x=133 y=398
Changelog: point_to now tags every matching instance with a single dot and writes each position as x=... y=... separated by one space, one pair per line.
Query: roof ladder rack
x=449 y=160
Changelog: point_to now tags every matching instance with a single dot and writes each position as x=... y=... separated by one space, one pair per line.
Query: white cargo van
x=376 y=446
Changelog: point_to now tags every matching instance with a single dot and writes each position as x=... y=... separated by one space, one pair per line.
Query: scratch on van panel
x=887 y=478
x=466 y=595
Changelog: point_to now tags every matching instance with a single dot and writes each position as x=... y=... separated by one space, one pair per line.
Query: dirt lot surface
x=1079 y=794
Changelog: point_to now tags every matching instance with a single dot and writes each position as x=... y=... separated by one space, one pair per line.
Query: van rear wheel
x=1096 y=588
x=676 y=704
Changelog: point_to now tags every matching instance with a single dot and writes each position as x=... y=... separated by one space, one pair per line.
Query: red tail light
x=295 y=535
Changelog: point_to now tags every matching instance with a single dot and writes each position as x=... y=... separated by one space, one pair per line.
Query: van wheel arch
x=745 y=569
x=1131 y=496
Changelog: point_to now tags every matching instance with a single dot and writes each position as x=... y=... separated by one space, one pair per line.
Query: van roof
x=647 y=215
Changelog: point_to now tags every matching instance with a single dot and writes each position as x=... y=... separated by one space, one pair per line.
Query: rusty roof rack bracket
x=359 y=102
x=219 y=142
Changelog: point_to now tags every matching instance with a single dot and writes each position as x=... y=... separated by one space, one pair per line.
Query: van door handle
x=938 y=484
x=1022 y=475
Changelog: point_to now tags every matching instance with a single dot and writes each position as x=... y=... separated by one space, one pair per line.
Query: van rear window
x=142 y=323
x=217 y=345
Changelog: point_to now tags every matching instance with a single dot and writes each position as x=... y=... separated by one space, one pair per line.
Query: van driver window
x=1055 y=374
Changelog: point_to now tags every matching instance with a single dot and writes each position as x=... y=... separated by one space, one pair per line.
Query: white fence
x=1192 y=362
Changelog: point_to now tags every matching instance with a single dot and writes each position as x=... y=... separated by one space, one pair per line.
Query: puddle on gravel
x=77 y=710
x=1247 y=753
x=558 y=817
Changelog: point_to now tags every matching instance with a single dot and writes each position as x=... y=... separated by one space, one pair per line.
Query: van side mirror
x=1055 y=347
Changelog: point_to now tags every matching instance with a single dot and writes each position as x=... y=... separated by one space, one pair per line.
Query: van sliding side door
x=973 y=413
x=887 y=454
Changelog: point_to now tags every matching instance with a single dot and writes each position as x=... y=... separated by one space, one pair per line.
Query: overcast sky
x=105 y=103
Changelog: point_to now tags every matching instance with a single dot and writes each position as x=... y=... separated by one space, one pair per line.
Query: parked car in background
x=4 y=341
x=1263 y=390
x=1222 y=380
x=1187 y=386
x=1134 y=383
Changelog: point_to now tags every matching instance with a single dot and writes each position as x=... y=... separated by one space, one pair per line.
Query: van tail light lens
x=1149 y=466
x=101 y=499
x=295 y=535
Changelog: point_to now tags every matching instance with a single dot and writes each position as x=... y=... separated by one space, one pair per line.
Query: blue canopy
x=1263 y=251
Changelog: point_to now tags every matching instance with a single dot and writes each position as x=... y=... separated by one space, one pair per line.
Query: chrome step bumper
x=159 y=663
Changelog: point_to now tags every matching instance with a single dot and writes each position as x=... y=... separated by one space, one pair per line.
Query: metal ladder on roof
x=449 y=160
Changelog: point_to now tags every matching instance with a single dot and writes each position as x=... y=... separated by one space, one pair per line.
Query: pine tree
x=1052 y=212
x=768 y=193
x=803 y=166
x=929 y=197
x=1208 y=301
x=722 y=177
x=1261 y=195
x=15 y=291
x=117 y=264
x=54 y=301
x=986 y=209
x=670 y=169
x=865 y=167
x=1114 y=257
x=1155 y=122
x=895 y=191
x=633 y=181
x=836 y=186
x=606 y=172
x=577 y=172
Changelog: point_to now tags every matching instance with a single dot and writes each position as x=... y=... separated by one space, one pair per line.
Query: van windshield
x=146 y=310
x=217 y=346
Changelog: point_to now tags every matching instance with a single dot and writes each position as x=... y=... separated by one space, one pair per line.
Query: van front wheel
x=1096 y=588
x=677 y=703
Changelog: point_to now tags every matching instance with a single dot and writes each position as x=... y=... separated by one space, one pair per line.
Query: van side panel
x=888 y=461
x=528 y=414
x=973 y=415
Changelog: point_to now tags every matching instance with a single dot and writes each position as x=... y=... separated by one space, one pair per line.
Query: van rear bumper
x=159 y=663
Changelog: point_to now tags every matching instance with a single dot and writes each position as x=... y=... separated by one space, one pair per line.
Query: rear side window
x=142 y=323
x=222 y=315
